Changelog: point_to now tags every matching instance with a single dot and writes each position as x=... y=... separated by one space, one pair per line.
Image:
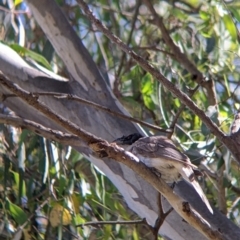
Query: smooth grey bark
x=86 y=82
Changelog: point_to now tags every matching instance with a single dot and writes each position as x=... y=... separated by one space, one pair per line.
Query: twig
x=221 y=196
x=33 y=214
x=234 y=189
x=103 y=148
x=138 y=4
x=94 y=105
x=161 y=217
x=16 y=12
x=208 y=171
x=181 y=108
x=234 y=205
x=212 y=175
x=109 y=8
x=118 y=72
x=154 y=48
x=100 y=223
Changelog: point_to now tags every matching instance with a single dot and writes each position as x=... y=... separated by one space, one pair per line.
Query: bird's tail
x=200 y=192
x=188 y=175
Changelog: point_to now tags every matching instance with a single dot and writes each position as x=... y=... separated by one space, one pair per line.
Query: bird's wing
x=164 y=148
x=160 y=147
x=188 y=175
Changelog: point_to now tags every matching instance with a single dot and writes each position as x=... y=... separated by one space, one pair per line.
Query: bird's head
x=128 y=140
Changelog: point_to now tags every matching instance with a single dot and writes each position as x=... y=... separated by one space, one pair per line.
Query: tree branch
x=103 y=148
x=94 y=105
x=64 y=138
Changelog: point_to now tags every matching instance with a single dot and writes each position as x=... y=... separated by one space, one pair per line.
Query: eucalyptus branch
x=94 y=105
x=229 y=142
x=54 y=135
x=103 y=148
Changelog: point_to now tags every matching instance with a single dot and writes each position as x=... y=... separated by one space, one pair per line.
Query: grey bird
x=160 y=153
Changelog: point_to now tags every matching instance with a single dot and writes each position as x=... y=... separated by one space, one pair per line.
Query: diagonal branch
x=94 y=105
x=54 y=135
x=103 y=148
x=230 y=143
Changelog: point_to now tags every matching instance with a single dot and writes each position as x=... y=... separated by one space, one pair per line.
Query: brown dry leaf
x=59 y=216
x=76 y=203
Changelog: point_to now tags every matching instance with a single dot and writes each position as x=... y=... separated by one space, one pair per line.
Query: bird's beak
x=117 y=141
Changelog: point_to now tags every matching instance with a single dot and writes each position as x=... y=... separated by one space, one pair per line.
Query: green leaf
x=193 y=3
x=211 y=43
x=230 y=26
x=148 y=102
x=227 y=85
x=220 y=163
x=48 y=51
x=23 y=136
x=16 y=177
x=204 y=15
x=179 y=14
x=77 y=219
x=62 y=184
x=147 y=84
x=19 y=186
x=75 y=156
x=236 y=12
x=22 y=187
x=107 y=232
x=33 y=55
x=135 y=234
x=147 y=88
x=16 y=2
x=71 y=180
x=147 y=91
x=16 y=212
x=132 y=74
x=30 y=183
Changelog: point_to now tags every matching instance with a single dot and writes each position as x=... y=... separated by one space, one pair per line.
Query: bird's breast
x=169 y=172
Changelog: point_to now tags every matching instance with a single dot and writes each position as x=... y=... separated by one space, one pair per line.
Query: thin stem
x=100 y=223
x=94 y=105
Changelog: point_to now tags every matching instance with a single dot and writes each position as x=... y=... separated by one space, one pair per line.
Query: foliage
x=34 y=169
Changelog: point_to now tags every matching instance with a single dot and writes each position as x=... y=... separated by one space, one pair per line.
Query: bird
x=161 y=154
